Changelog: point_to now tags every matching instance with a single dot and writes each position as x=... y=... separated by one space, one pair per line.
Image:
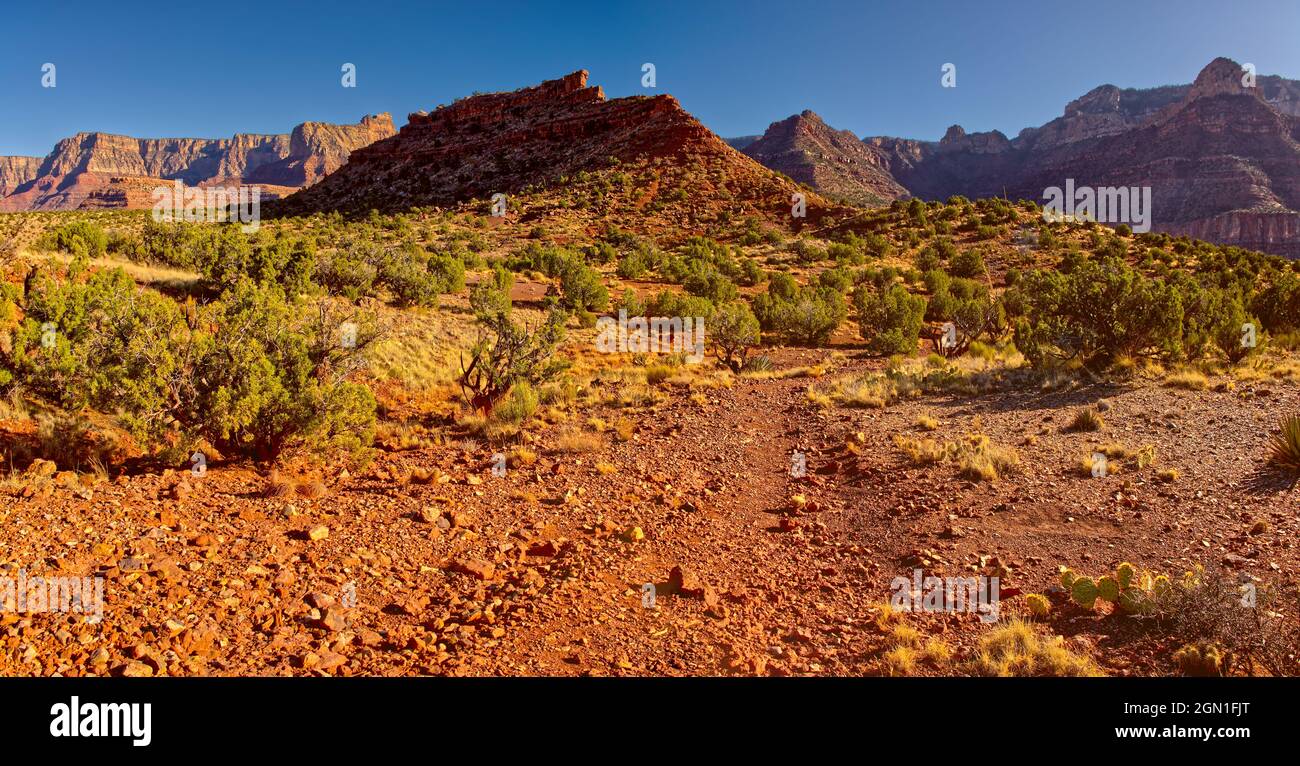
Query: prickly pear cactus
x=1067 y=578
x=1038 y=605
x=1134 y=601
x=1124 y=574
x=1161 y=585
x=1107 y=589
x=1084 y=592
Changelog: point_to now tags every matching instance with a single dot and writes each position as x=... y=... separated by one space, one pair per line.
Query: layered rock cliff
x=104 y=170
x=15 y=171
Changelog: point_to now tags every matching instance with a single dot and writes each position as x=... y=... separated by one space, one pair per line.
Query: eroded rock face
x=15 y=171
x=835 y=162
x=105 y=170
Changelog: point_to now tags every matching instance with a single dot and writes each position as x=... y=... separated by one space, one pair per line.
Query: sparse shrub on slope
x=582 y=289
x=1278 y=304
x=349 y=271
x=808 y=316
x=733 y=330
x=507 y=353
x=890 y=320
x=405 y=272
x=968 y=264
x=1097 y=312
x=273 y=373
x=79 y=238
x=252 y=373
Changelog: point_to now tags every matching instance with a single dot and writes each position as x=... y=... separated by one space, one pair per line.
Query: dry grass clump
x=922 y=451
x=927 y=422
x=1118 y=458
x=520 y=456
x=905 y=648
x=658 y=373
x=901 y=660
x=560 y=394
x=1189 y=380
x=312 y=489
x=809 y=371
x=577 y=442
x=422 y=476
x=873 y=392
x=1087 y=419
x=278 y=485
x=976 y=456
x=1015 y=648
x=397 y=436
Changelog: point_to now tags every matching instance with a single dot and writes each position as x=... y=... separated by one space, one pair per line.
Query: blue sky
x=214 y=69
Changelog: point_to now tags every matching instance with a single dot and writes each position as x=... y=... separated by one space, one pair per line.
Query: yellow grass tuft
x=1016 y=648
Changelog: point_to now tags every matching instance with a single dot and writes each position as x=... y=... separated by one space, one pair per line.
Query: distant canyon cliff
x=100 y=170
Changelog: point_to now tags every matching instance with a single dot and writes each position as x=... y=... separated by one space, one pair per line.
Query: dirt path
x=756 y=573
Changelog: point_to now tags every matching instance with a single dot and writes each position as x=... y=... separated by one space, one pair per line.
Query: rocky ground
x=541 y=571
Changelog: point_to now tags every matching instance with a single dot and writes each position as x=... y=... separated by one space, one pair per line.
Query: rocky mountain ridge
x=1222 y=158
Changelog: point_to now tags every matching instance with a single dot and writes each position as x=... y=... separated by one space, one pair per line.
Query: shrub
x=710 y=284
x=838 y=279
x=634 y=264
x=79 y=238
x=809 y=317
x=630 y=302
x=274 y=374
x=448 y=272
x=733 y=330
x=251 y=373
x=969 y=263
x=1099 y=311
x=508 y=353
x=349 y=272
x=582 y=289
x=890 y=320
x=406 y=274
x=491 y=297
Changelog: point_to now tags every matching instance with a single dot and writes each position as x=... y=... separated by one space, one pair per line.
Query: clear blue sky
x=185 y=69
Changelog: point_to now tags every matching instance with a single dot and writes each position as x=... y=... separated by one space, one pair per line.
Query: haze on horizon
x=872 y=68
